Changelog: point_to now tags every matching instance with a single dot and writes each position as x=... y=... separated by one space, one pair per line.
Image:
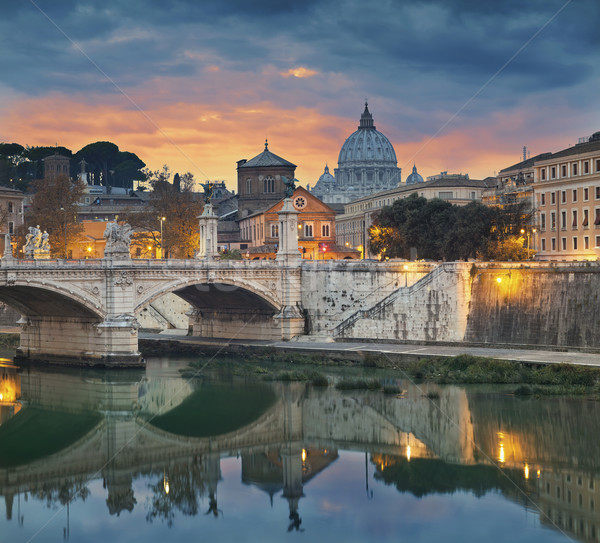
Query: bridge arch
x=48 y=300
x=221 y=294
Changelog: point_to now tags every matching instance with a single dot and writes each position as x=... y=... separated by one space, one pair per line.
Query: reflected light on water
x=526 y=471
x=408 y=452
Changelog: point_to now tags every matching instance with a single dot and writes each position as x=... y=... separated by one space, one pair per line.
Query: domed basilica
x=366 y=164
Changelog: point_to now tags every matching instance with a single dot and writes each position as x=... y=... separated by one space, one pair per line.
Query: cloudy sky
x=456 y=85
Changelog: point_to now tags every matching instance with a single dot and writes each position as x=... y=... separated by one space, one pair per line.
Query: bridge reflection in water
x=75 y=428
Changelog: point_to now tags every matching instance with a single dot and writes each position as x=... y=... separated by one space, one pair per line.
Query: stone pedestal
x=208 y=233
x=288 y=233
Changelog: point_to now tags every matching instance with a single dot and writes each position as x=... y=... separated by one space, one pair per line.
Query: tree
x=180 y=209
x=442 y=231
x=54 y=209
x=108 y=166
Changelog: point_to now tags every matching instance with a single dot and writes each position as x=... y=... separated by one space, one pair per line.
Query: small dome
x=326 y=177
x=414 y=177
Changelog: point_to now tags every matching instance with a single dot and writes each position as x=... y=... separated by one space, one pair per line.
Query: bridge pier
x=80 y=341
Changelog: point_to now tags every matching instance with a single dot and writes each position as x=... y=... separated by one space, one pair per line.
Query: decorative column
x=208 y=233
x=290 y=316
x=288 y=233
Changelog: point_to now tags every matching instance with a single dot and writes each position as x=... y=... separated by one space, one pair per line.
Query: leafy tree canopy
x=439 y=230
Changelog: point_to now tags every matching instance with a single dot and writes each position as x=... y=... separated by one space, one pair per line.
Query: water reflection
x=174 y=434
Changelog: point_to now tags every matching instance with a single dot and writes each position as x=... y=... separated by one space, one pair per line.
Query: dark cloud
x=431 y=54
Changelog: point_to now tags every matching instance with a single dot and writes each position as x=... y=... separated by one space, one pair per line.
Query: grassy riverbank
x=376 y=371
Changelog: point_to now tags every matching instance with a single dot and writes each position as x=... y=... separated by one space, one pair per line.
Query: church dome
x=414 y=177
x=367 y=145
x=326 y=177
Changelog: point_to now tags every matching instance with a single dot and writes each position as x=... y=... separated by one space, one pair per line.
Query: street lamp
x=523 y=232
x=161 y=236
x=65 y=227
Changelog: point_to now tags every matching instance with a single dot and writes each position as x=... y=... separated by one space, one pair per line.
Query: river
x=166 y=454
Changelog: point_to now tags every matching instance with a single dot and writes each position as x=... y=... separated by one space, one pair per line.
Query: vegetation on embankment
x=376 y=371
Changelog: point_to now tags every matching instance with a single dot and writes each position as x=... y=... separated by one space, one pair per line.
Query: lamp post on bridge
x=161 y=236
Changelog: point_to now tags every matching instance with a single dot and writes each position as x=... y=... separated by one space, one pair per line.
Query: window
x=552 y=198
x=269 y=184
x=543 y=244
x=473 y=196
x=445 y=195
x=553 y=243
x=598 y=164
x=563 y=196
x=563 y=170
x=308 y=229
x=274 y=230
x=574 y=168
x=597 y=219
x=575 y=244
x=11 y=227
x=325 y=230
x=553 y=220
x=543 y=174
x=543 y=199
x=586 y=167
x=574 y=195
x=586 y=242
x=563 y=220
x=10 y=207
x=542 y=221
x=586 y=194
x=597 y=193
x=553 y=172
x=563 y=243
x=586 y=217
x=574 y=222
x=597 y=241
x=248 y=186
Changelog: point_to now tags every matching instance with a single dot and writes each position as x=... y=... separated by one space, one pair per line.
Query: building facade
x=567 y=197
x=316 y=230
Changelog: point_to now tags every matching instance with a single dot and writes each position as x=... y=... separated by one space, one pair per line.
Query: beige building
x=567 y=195
x=352 y=227
x=11 y=213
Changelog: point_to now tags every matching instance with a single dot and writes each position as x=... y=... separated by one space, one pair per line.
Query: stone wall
x=542 y=304
x=535 y=304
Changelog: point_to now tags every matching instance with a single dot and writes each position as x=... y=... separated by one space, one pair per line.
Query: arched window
x=269 y=184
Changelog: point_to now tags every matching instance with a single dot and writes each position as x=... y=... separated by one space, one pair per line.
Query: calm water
x=153 y=456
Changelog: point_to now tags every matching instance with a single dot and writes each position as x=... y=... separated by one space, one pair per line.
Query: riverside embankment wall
x=537 y=304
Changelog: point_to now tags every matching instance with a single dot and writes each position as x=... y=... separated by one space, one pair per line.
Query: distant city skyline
x=458 y=87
